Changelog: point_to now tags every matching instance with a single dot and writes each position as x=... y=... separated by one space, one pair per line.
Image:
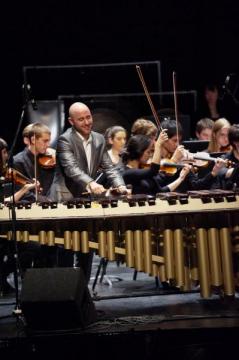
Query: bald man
x=81 y=152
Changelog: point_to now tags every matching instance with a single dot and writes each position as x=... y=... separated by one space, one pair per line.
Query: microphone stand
x=26 y=99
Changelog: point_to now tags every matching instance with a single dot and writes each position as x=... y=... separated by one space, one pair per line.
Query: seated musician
x=6 y=186
x=219 y=140
x=29 y=162
x=146 y=127
x=136 y=155
x=212 y=175
x=232 y=180
x=203 y=129
x=115 y=138
x=232 y=174
x=177 y=153
x=37 y=138
x=6 y=251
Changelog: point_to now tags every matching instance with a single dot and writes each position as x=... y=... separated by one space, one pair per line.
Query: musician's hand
x=31 y=186
x=185 y=171
x=178 y=154
x=220 y=163
x=122 y=189
x=163 y=136
x=95 y=188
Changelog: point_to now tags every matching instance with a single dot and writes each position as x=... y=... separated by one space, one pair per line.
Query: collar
x=88 y=141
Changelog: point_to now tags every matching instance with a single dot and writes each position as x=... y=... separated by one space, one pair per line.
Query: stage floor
x=130 y=311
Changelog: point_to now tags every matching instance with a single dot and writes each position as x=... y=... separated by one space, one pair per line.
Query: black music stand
x=195 y=145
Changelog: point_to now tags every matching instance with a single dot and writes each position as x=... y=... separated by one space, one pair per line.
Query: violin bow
x=148 y=97
x=35 y=167
x=175 y=103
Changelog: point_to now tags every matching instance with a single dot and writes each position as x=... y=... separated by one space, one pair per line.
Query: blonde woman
x=219 y=139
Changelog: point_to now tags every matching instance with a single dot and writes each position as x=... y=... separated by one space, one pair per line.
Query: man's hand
x=122 y=189
x=95 y=188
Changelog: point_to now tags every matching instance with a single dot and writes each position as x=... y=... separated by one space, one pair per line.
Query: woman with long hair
x=219 y=139
x=136 y=155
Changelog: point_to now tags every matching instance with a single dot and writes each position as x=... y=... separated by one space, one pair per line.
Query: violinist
x=27 y=252
x=6 y=186
x=146 y=127
x=232 y=179
x=232 y=174
x=172 y=149
x=177 y=153
x=142 y=126
x=219 y=139
x=142 y=180
x=37 y=139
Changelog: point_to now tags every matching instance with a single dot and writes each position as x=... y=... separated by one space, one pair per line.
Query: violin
x=202 y=159
x=17 y=177
x=170 y=168
x=226 y=148
x=48 y=160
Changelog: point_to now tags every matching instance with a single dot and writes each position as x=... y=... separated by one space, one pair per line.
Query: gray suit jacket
x=72 y=173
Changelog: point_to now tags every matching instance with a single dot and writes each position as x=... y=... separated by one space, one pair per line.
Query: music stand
x=195 y=145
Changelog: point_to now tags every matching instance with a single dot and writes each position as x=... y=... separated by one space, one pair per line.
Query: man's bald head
x=76 y=108
x=80 y=118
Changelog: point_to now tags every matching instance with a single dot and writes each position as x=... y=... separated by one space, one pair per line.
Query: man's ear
x=110 y=141
x=70 y=120
x=197 y=135
x=32 y=139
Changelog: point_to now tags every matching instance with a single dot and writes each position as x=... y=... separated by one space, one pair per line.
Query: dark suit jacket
x=72 y=174
x=24 y=162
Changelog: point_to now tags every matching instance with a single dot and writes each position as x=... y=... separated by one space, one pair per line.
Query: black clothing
x=24 y=162
x=144 y=181
x=233 y=181
x=202 y=180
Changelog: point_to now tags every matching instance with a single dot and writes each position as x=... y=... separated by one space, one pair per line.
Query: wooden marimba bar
x=184 y=238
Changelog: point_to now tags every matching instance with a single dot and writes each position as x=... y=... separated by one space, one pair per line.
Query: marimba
x=184 y=238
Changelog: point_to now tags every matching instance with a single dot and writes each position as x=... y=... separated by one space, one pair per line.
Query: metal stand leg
x=109 y=279
x=98 y=273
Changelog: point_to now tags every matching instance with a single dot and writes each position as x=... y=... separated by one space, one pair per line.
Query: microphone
x=225 y=87
x=27 y=93
x=228 y=78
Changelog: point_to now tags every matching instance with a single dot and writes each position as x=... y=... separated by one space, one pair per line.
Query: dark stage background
x=197 y=39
